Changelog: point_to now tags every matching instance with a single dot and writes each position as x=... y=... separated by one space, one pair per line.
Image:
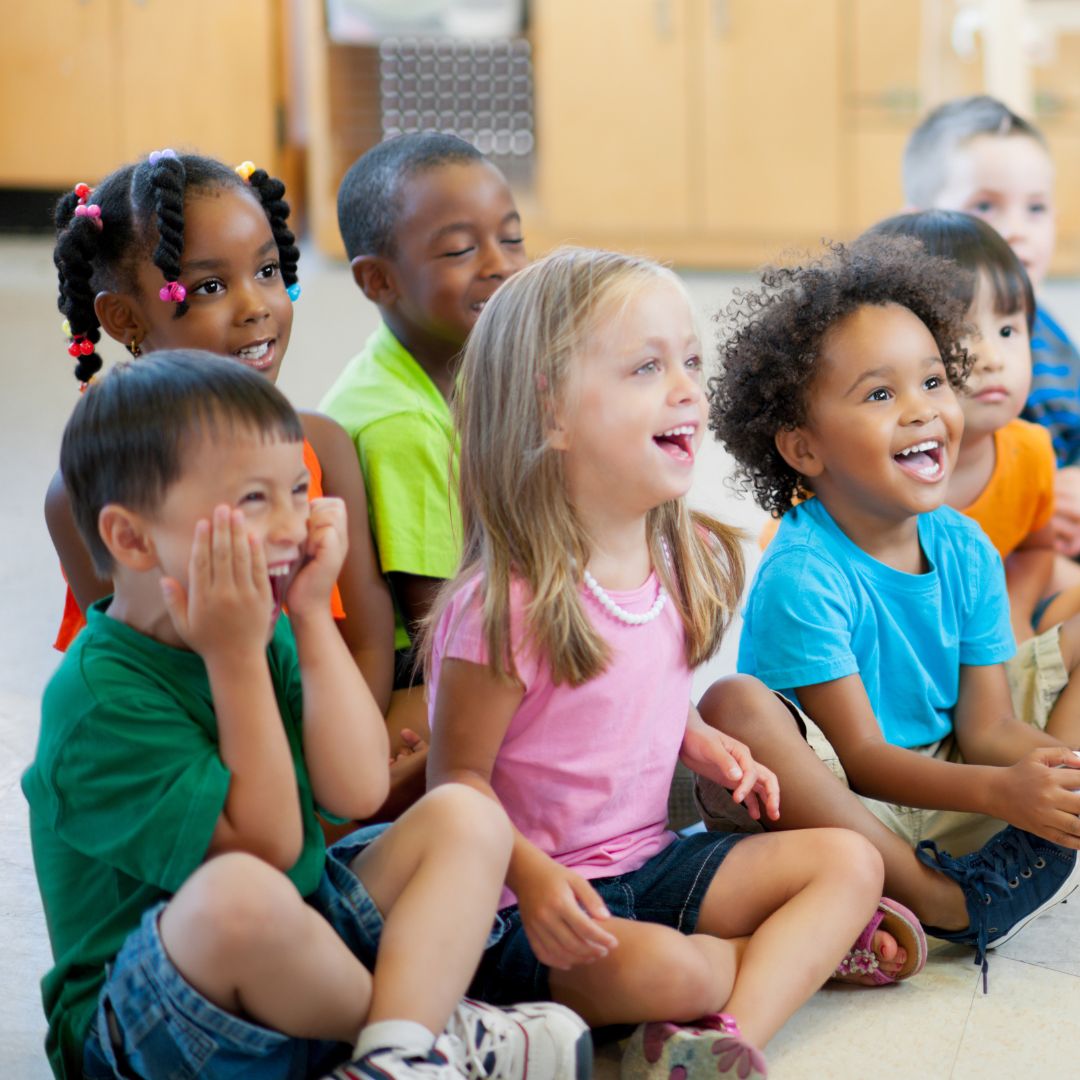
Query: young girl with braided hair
x=560 y=662
x=182 y=251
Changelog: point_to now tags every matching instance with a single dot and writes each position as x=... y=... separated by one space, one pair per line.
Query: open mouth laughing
x=258 y=355
x=281 y=576
x=677 y=442
x=925 y=460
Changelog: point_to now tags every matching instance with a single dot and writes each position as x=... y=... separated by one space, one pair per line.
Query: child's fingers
x=409 y=737
x=221 y=560
x=260 y=575
x=199 y=571
x=240 y=542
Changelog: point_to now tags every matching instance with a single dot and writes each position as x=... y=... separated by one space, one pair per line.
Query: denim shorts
x=668 y=889
x=150 y=1022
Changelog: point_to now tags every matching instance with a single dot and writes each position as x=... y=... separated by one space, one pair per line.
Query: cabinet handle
x=721 y=17
x=662 y=18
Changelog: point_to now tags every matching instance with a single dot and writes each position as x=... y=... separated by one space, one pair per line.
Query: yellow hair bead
x=244 y=170
x=65 y=328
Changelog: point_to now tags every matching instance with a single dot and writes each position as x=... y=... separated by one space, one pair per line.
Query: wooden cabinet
x=721 y=132
x=91 y=84
x=701 y=130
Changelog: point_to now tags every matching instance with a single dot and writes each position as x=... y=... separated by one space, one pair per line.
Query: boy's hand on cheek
x=226 y=609
x=324 y=555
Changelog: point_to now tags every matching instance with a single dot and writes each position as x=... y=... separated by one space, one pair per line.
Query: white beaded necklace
x=631 y=618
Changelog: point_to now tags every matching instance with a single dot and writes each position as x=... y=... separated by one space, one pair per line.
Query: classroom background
x=713 y=134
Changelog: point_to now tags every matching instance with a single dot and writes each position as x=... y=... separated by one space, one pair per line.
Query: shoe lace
x=994 y=869
x=487 y=1050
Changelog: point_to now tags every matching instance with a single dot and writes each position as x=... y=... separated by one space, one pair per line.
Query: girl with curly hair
x=881 y=612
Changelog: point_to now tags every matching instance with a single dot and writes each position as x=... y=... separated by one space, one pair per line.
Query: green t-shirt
x=404 y=436
x=125 y=790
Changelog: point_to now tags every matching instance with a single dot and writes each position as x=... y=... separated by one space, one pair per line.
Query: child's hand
x=411 y=744
x=228 y=602
x=324 y=552
x=730 y=763
x=560 y=912
x=1041 y=794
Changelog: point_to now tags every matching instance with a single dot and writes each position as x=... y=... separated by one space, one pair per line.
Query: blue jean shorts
x=150 y=1022
x=668 y=889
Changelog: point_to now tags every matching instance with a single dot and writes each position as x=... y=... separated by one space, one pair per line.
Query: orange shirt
x=73 y=619
x=1019 y=496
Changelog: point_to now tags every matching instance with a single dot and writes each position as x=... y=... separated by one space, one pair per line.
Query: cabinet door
x=58 y=121
x=770 y=98
x=613 y=96
x=200 y=75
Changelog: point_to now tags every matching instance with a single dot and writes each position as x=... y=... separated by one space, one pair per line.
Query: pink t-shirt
x=584 y=772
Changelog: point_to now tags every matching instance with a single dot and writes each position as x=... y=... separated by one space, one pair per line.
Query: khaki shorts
x=1036 y=676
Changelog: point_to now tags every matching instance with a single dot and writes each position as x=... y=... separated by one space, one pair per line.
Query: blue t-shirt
x=820 y=608
x=1054 y=400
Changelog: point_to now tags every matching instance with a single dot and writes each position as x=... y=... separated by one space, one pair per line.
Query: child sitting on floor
x=198 y=923
x=431 y=230
x=881 y=612
x=560 y=668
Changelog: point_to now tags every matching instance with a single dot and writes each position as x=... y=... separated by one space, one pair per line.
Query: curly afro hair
x=771 y=340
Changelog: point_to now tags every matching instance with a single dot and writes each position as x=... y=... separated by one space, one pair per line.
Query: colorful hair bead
x=82 y=192
x=294 y=291
x=172 y=292
x=158 y=155
x=244 y=170
x=65 y=328
x=91 y=211
x=80 y=346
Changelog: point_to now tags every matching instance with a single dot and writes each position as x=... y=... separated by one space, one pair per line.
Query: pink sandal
x=904 y=927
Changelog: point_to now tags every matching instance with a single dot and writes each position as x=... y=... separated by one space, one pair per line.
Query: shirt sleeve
x=800 y=615
x=414 y=516
x=987 y=635
x=140 y=786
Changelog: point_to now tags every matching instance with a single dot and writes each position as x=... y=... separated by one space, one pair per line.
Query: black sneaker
x=1011 y=879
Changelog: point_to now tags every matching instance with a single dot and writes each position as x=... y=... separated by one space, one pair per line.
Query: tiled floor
x=940 y=1025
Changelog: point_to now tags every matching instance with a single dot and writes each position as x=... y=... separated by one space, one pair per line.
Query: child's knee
x=843 y=853
x=459 y=813
x=233 y=902
x=739 y=704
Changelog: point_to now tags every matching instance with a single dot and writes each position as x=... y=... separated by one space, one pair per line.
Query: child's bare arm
x=346 y=747
x=223 y=618
x=1066 y=520
x=368 y=626
x=890 y=773
x=1027 y=577
x=415 y=594
x=74 y=558
x=559 y=908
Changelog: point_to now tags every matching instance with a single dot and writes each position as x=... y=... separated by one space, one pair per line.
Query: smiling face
x=262 y=475
x=634 y=408
x=883 y=423
x=1001 y=377
x=1008 y=181
x=238 y=306
x=458 y=238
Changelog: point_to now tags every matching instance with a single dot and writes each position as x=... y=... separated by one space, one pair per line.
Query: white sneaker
x=393 y=1063
x=535 y=1041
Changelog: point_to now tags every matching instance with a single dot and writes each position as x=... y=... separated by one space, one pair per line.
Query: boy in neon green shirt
x=431 y=230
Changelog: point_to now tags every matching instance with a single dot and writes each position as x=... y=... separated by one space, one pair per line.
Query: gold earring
x=135 y=348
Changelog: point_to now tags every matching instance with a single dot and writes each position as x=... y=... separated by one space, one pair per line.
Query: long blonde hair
x=517 y=520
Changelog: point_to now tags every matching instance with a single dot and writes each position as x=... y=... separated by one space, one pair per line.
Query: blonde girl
x=559 y=674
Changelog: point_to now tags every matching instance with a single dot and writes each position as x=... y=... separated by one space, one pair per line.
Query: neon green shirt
x=404 y=436
x=125 y=790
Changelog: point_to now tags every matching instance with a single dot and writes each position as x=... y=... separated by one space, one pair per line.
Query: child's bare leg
x=436 y=875
x=810 y=796
x=655 y=973
x=811 y=895
x=1064 y=721
x=241 y=934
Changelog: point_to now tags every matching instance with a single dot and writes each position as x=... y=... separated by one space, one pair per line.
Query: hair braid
x=271 y=191
x=168 y=181
x=76 y=245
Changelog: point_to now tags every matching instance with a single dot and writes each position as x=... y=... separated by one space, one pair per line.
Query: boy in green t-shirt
x=431 y=230
x=198 y=924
